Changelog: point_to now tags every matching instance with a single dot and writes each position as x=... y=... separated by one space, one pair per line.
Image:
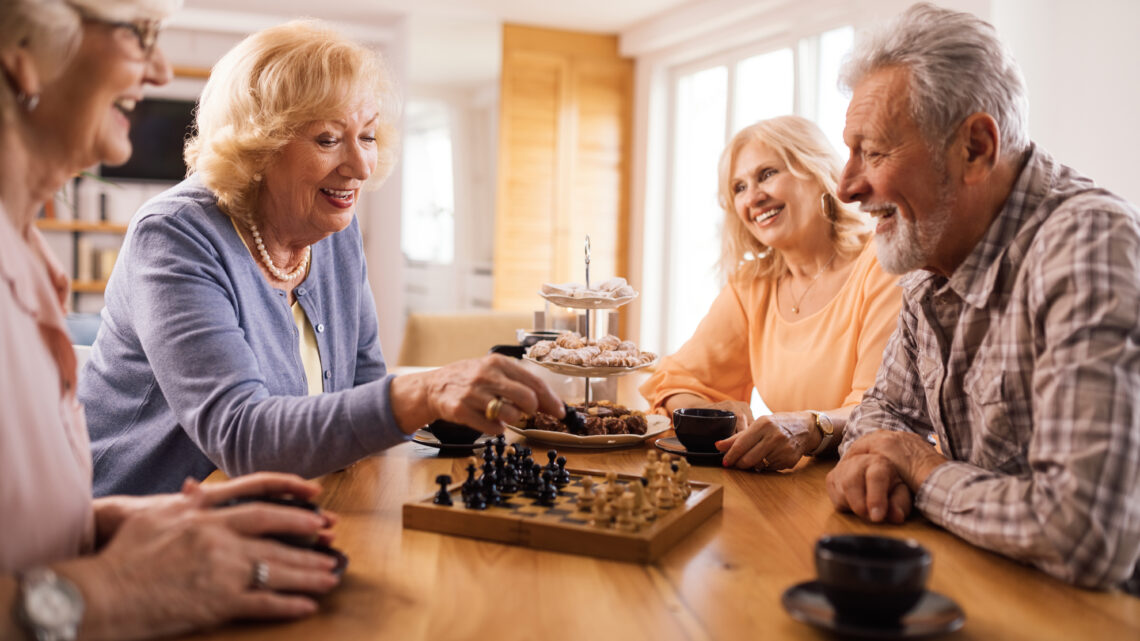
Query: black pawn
x=470 y=486
x=551 y=455
x=443 y=497
x=547 y=492
x=562 y=477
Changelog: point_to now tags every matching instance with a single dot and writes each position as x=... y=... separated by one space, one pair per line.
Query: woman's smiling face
x=84 y=112
x=778 y=209
x=311 y=186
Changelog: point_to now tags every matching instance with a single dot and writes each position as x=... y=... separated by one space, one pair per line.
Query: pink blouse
x=45 y=455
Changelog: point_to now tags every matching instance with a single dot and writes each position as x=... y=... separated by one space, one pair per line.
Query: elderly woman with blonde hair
x=807 y=310
x=240 y=331
x=114 y=567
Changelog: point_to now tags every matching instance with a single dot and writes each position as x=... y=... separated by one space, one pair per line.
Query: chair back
x=431 y=340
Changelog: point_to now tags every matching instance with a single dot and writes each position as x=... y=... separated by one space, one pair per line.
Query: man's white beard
x=911 y=246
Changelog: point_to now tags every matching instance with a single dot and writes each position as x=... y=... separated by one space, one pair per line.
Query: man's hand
x=880 y=474
x=869 y=486
x=913 y=458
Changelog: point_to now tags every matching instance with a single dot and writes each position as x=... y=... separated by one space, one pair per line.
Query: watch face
x=52 y=605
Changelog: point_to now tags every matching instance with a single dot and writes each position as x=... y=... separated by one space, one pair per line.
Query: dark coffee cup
x=450 y=433
x=871 y=578
x=699 y=429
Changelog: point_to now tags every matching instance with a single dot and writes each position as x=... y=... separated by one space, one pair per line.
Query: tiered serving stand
x=590 y=305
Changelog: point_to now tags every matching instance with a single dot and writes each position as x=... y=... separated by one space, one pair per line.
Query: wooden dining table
x=724 y=580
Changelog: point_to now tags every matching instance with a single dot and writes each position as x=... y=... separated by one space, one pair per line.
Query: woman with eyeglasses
x=117 y=567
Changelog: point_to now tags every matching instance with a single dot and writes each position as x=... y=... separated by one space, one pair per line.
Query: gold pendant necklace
x=796 y=302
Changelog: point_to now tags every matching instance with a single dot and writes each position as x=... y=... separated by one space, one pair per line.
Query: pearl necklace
x=274 y=269
x=796 y=303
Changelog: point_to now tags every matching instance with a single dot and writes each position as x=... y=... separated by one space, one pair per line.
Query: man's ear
x=980 y=147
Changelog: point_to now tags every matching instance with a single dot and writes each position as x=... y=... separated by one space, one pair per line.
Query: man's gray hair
x=958 y=67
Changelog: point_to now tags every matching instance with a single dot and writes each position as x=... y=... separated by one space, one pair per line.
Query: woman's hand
x=181 y=565
x=463 y=392
x=111 y=511
x=773 y=442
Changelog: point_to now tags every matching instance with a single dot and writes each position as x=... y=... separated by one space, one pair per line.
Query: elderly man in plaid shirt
x=1005 y=409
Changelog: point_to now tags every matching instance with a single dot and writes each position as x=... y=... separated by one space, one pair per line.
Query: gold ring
x=493 y=407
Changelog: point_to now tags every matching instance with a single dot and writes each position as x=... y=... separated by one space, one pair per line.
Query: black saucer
x=673 y=446
x=934 y=614
x=424 y=437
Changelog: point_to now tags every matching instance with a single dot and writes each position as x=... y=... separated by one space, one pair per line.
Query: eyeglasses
x=146 y=31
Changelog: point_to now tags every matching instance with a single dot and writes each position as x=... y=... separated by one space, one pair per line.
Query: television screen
x=158 y=130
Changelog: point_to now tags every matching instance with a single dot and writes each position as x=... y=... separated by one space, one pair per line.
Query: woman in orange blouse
x=807 y=310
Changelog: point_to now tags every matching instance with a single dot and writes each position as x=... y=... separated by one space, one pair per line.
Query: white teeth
x=343 y=194
x=767 y=215
x=126 y=105
x=880 y=211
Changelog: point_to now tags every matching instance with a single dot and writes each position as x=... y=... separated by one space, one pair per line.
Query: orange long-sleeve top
x=823 y=361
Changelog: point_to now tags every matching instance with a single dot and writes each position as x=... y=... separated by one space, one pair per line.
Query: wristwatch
x=50 y=606
x=826 y=430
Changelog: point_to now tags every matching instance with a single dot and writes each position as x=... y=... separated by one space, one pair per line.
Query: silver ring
x=259 y=576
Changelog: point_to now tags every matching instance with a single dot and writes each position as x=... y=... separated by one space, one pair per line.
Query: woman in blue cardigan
x=240 y=331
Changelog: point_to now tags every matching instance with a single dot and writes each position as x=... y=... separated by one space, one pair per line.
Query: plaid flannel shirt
x=1025 y=366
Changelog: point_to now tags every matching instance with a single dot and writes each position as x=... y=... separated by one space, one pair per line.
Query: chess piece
x=683 y=478
x=624 y=520
x=675 y=486
x=664 y=499
x=586 y=497
x=443 y=497
x=562 y=479
x=548 y=493
x=470 y=486
x=650 y=466
x=613 y=488
x=600 y=513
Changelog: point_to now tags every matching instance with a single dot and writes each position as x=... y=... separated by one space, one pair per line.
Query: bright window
x=427 y=230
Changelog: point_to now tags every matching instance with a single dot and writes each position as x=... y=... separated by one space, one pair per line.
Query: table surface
x=722 y=581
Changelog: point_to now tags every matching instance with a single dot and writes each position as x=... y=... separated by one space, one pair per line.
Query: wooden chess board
x=519 y=520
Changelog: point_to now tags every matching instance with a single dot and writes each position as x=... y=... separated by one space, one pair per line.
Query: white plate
x=588 y=302
x=580 y=370
x=656 y=424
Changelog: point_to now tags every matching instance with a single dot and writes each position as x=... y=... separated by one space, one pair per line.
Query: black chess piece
x=475 y=501
x=562 y=477
x=551 y=455
x=491 y=494
x=547 y=491
x=470 y=485
x=510 y=482
x=500 y=445
x=443 y=497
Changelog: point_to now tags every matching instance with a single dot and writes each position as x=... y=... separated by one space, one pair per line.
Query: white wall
x=1081 y=61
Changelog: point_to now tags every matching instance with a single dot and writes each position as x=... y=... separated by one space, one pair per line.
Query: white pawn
x=587 y=497
x=600 y=514
x=613 y=488
x=625 y=520
x=683 y=478
x=664 y=500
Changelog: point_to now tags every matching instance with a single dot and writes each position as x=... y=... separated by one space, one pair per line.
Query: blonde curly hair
x=806 y=152
x=263 y=92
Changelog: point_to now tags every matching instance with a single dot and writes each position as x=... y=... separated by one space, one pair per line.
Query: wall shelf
x=54 y=224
